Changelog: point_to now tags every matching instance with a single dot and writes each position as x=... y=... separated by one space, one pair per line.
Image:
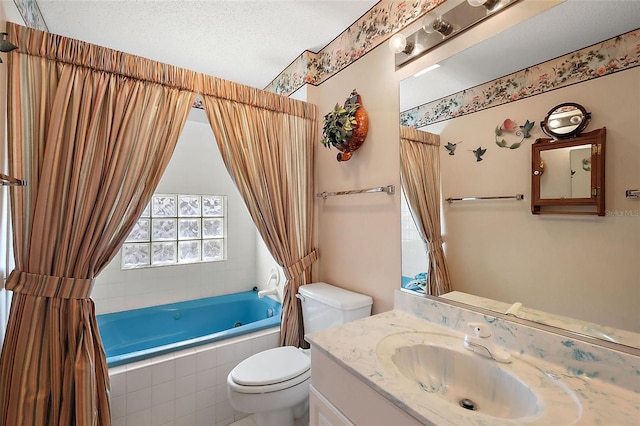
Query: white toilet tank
x=325 y=306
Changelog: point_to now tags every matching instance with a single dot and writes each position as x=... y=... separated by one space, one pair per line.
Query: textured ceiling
x=249 y=42
x=252 y=41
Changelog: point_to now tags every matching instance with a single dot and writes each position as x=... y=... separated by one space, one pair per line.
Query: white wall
x=195 y=168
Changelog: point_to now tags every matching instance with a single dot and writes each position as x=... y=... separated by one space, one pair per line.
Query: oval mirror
x=566 y=120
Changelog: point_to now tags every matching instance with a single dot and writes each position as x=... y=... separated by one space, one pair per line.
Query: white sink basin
x=438 y=366
x=466 y=379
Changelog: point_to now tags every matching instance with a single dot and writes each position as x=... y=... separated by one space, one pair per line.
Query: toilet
x=274 y=384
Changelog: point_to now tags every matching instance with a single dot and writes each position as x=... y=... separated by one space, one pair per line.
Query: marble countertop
x=355 y=346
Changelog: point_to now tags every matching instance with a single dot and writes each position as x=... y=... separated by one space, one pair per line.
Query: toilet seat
x=271 y=370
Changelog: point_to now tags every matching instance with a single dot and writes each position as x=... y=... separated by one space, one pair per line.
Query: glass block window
x=176 y=229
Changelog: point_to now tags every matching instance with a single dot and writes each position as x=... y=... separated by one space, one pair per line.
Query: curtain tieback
x=49 y=286
x=299 y=267
x=434 y=244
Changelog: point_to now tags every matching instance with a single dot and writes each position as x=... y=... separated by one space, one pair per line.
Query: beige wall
x=359 y=235
x=582 y=267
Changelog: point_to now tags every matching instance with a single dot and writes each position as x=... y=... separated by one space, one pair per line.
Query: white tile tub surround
x=604 y=381
x=188 y=387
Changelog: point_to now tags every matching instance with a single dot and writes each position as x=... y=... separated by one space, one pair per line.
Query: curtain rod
x=10 y=181
x=389 y=189
x=500 y=197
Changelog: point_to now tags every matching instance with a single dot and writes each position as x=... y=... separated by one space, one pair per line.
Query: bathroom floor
x=251 y=421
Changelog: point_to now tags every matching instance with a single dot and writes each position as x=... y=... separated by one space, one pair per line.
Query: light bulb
x=433 y=24
x=399 y=44
x=488 y=4
x=428 y=22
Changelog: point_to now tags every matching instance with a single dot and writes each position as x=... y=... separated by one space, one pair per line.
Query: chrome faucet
x=480 y=344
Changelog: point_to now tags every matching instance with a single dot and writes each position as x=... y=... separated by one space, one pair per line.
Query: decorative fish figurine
x=479 y=153
x=526 y=129
x=451 y=147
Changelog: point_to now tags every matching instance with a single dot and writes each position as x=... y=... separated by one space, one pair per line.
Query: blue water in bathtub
x=138 y=334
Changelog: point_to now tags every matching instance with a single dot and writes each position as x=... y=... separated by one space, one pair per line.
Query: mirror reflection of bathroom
x=567 y=173
x=497 y=252
x=566 y=120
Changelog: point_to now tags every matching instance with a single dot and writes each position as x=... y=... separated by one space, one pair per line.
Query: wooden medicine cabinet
x=567 y=175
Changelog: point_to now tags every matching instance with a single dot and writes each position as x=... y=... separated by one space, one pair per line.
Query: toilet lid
x=271 y=366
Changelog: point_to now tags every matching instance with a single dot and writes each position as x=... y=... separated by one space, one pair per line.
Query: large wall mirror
x=580 y=271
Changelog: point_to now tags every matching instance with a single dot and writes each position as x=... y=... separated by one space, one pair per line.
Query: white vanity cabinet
x=339 y=398
x=324 y=413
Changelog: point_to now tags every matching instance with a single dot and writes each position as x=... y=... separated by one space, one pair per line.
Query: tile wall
x=187 y=388
x=414 y=258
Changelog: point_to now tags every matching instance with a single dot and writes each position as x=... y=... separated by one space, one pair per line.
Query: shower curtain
x=267 y=144
x=91 y=132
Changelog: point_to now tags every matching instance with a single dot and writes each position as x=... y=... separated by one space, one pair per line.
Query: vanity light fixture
x=399 y=44
x=6 y=45
x=451 y=18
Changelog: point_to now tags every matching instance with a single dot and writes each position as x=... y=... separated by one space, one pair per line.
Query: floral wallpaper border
x=616 y=54
x=372 y=29
x=31 y=15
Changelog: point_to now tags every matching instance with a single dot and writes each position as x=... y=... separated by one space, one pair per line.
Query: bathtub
x=139 y=334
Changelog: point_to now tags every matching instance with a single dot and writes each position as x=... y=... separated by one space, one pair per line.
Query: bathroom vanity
x=338 y=397
x=410 y=366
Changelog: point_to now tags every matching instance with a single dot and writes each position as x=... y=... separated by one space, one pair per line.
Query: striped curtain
x=91 y=130
x=420 y=173
x=267 y=144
